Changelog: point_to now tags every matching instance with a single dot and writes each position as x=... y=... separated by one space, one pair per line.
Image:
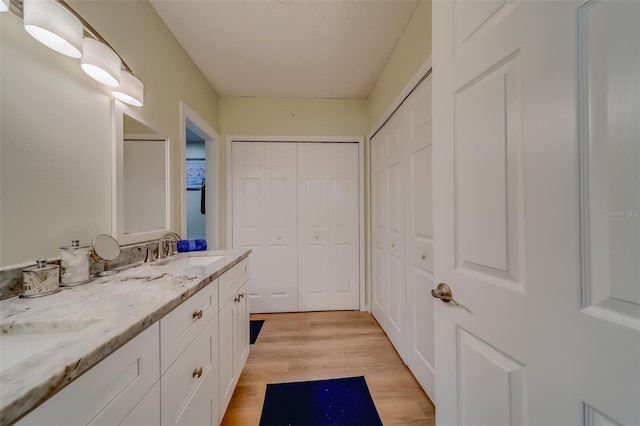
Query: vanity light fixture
x=130 y=91
x=53 y=25
x=100 y=62
x=58 y=26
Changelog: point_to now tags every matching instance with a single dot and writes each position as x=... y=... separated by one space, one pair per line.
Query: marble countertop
x=96 y=319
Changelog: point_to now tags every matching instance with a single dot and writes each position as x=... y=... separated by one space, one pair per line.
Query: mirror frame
x=117 y=178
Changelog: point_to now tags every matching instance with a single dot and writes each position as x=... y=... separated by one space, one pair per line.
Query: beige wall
x=55 y=128
x=412 y=50
x=293 y=117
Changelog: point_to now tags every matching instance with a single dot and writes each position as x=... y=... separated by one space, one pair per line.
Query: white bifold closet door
x=387 y=198
x=402 y=234
x=296 y=205
x=328 y=228
x=264 y=220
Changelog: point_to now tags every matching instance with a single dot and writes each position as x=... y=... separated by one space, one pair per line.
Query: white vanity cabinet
x=234 y=329
x=118 y=387
x=182 y=370
x=189 y=354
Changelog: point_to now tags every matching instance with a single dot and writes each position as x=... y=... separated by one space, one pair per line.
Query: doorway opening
x=196 y=180
x=200 y=179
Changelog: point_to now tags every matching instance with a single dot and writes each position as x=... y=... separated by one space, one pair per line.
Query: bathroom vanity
x=158 y=343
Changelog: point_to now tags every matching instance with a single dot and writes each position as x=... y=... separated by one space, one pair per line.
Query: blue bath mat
x=256 y=326
x=334 y=402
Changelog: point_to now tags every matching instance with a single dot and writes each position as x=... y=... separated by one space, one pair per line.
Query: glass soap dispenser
x=74 y=260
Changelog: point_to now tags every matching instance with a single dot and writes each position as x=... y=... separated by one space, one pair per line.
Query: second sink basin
x=189 y=259
x=203 y=260
x=19 y=341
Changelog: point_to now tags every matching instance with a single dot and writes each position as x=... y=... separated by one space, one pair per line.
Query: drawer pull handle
x=197 y=372
x=197 y=314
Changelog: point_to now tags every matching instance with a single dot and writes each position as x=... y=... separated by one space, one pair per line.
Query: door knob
x=443 y=292
x=315 y=237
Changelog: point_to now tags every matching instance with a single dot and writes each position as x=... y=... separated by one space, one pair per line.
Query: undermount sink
x=19 y=341
x=203 y=260
x=188 y=259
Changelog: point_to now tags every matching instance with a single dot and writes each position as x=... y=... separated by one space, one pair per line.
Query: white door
x=328 y=229
x=264 y=220
x=388 y=239
x=419 y=236
x=537 y=211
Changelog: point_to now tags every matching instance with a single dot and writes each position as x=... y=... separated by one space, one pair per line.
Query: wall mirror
x=141 y=197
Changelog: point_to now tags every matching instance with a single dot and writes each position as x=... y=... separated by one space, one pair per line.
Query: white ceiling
x=288 y=48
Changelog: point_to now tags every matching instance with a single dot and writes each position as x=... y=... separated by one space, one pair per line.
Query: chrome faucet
x=169 y=236
x=148 y=258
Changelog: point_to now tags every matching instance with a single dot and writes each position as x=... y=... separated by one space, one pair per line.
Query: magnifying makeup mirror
x=104 y=249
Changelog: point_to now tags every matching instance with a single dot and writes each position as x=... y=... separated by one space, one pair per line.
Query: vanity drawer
x=231 y=281
x=181 y=326
x=190 y=386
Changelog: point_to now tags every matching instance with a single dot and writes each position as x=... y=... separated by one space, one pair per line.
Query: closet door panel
x=281 y=244
x=264 y=220
x=248 y=202
x=419 y=239
x=396 y=296
x=344 y=228
x=328 y=228
x=389 y=162
x=314 y=168
x=379 y=202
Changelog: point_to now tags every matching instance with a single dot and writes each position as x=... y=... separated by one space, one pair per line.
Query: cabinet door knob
x=236 y=299
x=393 y=245
x=315 y=237
x=424 y=256
x=197 y=314
x=279 y=238
x=197 y=372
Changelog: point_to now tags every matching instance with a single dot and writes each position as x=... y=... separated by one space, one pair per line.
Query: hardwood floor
x=324 y=345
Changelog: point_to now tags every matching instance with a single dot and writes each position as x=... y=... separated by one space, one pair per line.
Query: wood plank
x=323 y=345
